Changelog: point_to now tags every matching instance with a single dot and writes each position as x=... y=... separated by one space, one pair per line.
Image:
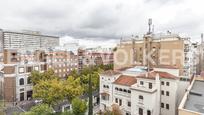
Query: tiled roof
x=111 y=72
x=152 y=75
x=167 y=66
x=126 y=80
x=202 y=73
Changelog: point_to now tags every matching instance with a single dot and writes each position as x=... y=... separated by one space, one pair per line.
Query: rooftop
x=134 y=70
x=126 y=80
x=195 y=101
x=111 y=72
x=202 y=74
x=167 y=66
x=152 y=75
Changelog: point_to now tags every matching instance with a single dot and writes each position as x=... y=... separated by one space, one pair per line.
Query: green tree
x=50 y=91
x=74 y=73
x=90 y=112
x=36 y=76
x=67 y=113
x=79 y=106
x=72 y=88
x=42 y=109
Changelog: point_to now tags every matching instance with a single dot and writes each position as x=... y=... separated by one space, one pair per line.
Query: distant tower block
x=150 y=24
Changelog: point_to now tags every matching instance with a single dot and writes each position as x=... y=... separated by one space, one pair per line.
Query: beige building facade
x=153 y=51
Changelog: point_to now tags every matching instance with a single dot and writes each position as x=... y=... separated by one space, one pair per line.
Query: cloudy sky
x=102 y=22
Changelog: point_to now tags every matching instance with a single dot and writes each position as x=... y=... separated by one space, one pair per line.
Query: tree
x=74 y=74
x=42 y=109
x=116 y=110
x=90 y=112
x=36 y=76
x=115 y=49
x=72 y=88
x=50 y=91
x=79 y=106
x=67 y=113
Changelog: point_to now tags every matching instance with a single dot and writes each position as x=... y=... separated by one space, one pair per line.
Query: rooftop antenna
x=152 y=28
x=149 y=24
x=121 y=40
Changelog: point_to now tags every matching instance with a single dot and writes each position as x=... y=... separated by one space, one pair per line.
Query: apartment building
x=99 y=53
x=16 y=82
x=81 y=58
x=153 y=50
x=200 y=56
x=193 y=100
x=62 y=62
x=26 y=40
x=89 y=57
x=139 y=92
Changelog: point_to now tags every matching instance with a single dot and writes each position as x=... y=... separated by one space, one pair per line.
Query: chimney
x=146 y=74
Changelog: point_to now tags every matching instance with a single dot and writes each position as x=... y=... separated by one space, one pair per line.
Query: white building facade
x=26 y=40
x=155 y=93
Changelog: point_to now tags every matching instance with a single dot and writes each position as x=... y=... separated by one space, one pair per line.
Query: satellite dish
x=1 y=66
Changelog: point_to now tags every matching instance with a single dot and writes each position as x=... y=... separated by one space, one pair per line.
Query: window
x=22 y=96
x=148 y=112
x=125 y=90
x=21 y=69
x=167 y=93
x=140 y=111
x=120 y=89
x=116 y=88
x=116 y=100
x=129 y=104
x=120 y=102
x=162 y=92
x=162 y=83
x=167 y=106
x=36 y=68
x=150 y=85
x=128 y=114
x=162 y=105
x=28 y=80
x=21 y=81
x=29 y=69
x=141 y=83
x=104 y=98
x=129 y=91
x=167 y=83
x=141 y=97
x=140 y=48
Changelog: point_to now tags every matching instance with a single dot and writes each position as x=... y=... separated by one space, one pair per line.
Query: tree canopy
x=72 y=88
x=50 y=91
x=36 y=76
x=42 y=109
x=79 y=106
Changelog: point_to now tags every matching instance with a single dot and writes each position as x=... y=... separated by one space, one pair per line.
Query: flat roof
x=135 y=70
x=195 y=101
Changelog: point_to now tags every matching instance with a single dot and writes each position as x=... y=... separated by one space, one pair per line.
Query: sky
x=102 y=22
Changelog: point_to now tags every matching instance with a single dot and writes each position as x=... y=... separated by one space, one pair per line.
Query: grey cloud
x=101 y=19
